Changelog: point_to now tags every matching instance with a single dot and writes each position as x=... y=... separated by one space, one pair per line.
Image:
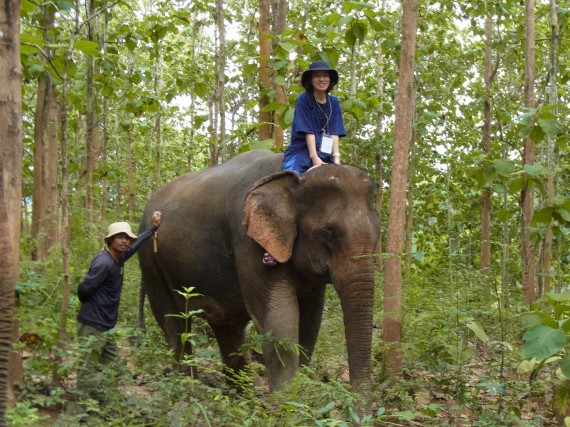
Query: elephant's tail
x=141 y=325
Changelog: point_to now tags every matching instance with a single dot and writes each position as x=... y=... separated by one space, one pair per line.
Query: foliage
x=547 y=334
x=462 y=331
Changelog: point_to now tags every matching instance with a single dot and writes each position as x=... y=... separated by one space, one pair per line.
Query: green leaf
x=32 y=38
x=563 y=213
x=535 y=170
x=542 y=342
x=360 y=31
x=479 y=331
x=88 y=47
x=405 y=415
x=504 y=167
x=549 y=126
x=565 y=366
x=349 y=37
x=64 y=5
x=559 y=297
x=288 y=118
x=542 y=216
x=262 y=145
x=326 y=408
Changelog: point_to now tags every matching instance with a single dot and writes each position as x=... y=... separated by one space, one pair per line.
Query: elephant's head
x=323 y=225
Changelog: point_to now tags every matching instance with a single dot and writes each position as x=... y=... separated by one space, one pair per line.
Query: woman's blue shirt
x=312 y=118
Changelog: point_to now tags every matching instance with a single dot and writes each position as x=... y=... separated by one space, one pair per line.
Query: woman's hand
x=316 y=161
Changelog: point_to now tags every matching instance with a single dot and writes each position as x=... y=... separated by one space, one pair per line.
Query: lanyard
x=328 y=117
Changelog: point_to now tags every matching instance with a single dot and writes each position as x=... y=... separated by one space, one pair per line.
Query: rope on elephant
x=155 y=241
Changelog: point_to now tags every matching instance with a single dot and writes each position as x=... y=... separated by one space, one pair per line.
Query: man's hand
x=156 y=217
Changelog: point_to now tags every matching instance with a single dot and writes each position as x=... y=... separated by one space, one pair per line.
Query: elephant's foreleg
x=280 y=318
x=310 y=315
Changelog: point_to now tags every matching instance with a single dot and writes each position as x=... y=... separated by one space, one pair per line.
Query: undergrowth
x=461 y=352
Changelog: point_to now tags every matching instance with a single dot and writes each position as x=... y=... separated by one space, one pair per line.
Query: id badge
x=327 y=144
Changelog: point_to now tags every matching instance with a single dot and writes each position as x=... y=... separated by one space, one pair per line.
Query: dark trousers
x=97 y=348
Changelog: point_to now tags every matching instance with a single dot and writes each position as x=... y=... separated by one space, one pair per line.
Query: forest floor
x=443 y=410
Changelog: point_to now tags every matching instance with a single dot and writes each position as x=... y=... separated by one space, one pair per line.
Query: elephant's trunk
x=354 y=283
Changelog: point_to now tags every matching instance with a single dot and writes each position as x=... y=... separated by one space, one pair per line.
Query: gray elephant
x=217 y=224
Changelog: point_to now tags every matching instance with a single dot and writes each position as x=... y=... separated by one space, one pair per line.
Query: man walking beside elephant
x=100 y=293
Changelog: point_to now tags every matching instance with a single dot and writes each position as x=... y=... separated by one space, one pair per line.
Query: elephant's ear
x=270 y=214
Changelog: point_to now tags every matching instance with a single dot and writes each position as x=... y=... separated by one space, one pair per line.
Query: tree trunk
x=91 y=128
x=44 y=195
x=402 y=134
x=130 y=175
x=279 y=25
x=158 y=118
x=379 y=154
x=527 y=193
x=64 y=196
x=10 y=185
x=264 y=55
x=221 y=78
x=409 y=226
x=544 y=278
x=105 y=131
x=486 y=194
x=129 y=157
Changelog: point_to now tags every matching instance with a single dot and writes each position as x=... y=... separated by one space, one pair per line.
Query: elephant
x=321 y=228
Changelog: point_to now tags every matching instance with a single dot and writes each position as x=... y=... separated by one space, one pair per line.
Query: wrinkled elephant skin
x=216 y=225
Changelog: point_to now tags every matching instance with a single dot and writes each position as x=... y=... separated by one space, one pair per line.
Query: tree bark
x=402 y=134
x=544 y=278
x=485 y=263
x=264 y=55
x=91 y=127
x=157 y=121
x=379 y=170
x=44 y=193
x=279 y=25
x=409 y=226
x=527 y=193
x=221 y=78
x=10 y=185
x=64 y=201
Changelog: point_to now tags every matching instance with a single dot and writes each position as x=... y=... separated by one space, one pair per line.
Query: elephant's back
x=201 y=214
x=228 y=179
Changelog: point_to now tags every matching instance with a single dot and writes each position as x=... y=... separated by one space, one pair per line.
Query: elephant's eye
x=327 y=233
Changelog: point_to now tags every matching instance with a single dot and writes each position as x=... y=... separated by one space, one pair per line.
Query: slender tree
x=378 y=167
x=279 y=25
x=91 y=126
x=264 y=60
x=220 y=82
x=10 y=184
x=546 y=258
x=486 y=194
x=44 y=212
x=402 y=134
x=527 y=192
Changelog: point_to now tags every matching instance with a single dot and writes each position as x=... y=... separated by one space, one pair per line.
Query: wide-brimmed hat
x=118 y=228
x=319 y=66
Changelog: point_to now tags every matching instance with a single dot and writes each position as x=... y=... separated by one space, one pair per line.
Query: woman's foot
x=269 y=260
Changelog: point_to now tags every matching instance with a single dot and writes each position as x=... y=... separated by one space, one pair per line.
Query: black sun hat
x=319 y=66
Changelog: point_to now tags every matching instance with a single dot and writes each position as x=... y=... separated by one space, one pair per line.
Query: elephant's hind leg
x=177 y=329
x=230 y=340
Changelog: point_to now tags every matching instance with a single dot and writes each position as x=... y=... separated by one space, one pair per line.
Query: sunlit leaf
x=88 y=47
x=542 y=342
